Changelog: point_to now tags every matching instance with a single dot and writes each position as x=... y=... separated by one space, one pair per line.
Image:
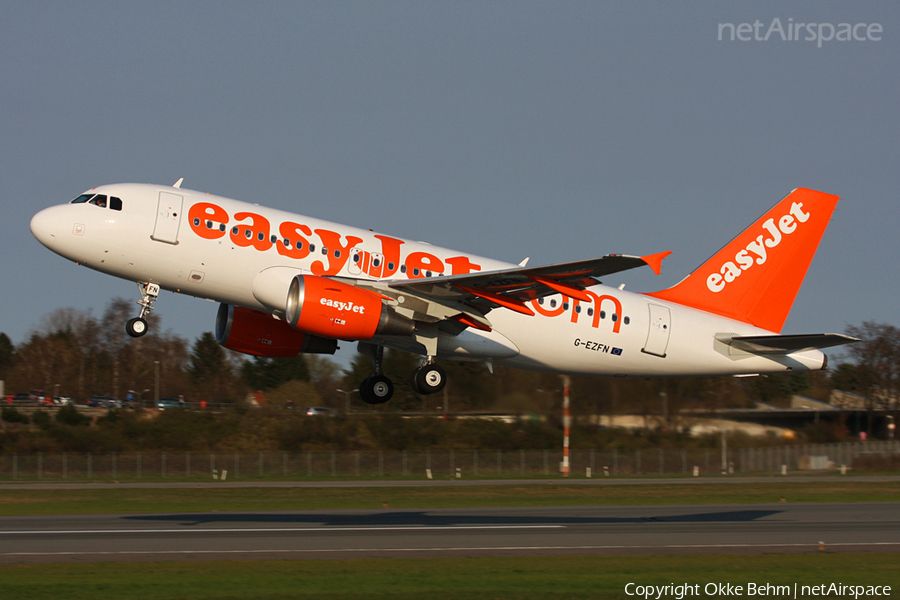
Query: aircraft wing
x=784 y=344
x=468 y=297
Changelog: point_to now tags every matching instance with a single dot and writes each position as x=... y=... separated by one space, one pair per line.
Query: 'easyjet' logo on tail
x=755 y=253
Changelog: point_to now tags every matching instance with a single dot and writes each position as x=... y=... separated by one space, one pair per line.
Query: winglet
x=654 y=261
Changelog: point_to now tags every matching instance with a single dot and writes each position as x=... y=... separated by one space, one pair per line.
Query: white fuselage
x=195 y=243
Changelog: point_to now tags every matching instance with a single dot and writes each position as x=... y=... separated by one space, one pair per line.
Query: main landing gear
x=138 y=326
x=378 y=389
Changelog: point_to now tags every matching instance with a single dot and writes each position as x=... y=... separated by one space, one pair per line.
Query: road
x=674 y=529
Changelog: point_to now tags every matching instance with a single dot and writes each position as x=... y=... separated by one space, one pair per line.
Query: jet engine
x=260 y=334
x=338 y=310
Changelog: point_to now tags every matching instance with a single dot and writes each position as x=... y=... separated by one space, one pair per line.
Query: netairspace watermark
x=794 y=32
x=687 y=590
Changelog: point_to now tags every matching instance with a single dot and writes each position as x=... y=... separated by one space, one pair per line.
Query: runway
x=672 y=529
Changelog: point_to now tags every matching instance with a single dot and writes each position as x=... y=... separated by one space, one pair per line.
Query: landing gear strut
x=138 y=326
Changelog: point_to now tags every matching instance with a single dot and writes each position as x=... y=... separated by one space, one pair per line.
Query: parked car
x=24 y=398
x=320 y=411
x=104 y=402
x=164 y=403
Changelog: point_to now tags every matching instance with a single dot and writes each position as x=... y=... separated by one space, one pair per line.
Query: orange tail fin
x=756 y=276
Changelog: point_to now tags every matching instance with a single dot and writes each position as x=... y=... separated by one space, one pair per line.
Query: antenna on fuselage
x=177 y=184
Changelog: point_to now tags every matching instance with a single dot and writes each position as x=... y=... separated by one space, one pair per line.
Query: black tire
x=136 y=327
x=429 y=379
x=377 y=389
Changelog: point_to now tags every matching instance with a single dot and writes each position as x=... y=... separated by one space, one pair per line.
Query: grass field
x=475 y=578
x=169 y=500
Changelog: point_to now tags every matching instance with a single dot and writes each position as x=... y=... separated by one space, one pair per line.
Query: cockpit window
x=98 y=200
x=115 y=203
x=82 y=198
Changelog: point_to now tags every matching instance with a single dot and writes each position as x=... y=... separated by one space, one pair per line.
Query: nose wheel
x=138 y=326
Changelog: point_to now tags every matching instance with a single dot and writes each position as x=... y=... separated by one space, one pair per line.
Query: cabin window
x=602 y=314
x=565 y=306
x=324 y=250
x=626 y=320
x=235 y=230
x=196 y=222
x=337 y=253
x=615 y=317
x=376 y=262
x=403 y=269
x=356 y=257
x=416 y=271
x=312 y=247
x=578 y=309
x=553 y=303
x=590 y=312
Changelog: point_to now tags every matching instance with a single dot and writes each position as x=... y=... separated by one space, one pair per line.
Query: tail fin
x=756 y=276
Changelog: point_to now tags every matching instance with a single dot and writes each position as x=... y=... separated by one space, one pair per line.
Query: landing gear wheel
x=429 y=379
x=136 y=327
x=376 y=389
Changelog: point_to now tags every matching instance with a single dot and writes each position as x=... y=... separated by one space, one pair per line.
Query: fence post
x=15 y=465
x=139 y=474
x=357 y=463
x=475 y=462
x=309 y=464
x=661 y=462
x=90 y=465
x=546 y=463
x=65 y=465
x=115 y=465
x=593 y=468
x=163 y=464
x=615 y=461
x=187 y=464
x=237 y=465
x=521 y=461
x=333 y=463
x=499 y=461
x=40 y=465
x=637 y=461
x=284 y=463
x=261 y=467
x=405 y=471
x=381 y=463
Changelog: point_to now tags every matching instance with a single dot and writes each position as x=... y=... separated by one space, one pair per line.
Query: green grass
x=457 y=578
x=168 y=500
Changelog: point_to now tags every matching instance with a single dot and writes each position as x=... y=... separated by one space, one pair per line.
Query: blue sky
x=559 y=131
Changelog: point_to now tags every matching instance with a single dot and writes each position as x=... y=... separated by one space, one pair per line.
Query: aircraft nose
x=44 y=226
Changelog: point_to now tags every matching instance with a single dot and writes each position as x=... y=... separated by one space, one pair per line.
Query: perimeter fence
x=243 y=466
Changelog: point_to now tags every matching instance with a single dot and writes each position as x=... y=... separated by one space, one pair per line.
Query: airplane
x=288 y=284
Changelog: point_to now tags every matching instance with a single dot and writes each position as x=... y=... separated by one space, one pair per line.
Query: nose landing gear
x=138 y=326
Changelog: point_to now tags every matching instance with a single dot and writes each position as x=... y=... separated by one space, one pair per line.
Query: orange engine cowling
x=260 y=334
x=334 y=309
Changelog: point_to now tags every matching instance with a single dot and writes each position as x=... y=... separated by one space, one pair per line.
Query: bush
x=11 y=415
x=69 y=415
x=41 y=419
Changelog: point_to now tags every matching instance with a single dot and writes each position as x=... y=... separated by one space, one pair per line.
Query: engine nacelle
x=260 y=334
x=334 y=309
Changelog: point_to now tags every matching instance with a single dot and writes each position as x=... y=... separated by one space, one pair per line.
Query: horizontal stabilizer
x=784 y=344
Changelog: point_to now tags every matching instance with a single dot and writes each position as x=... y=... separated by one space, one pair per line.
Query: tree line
x=74 y=353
